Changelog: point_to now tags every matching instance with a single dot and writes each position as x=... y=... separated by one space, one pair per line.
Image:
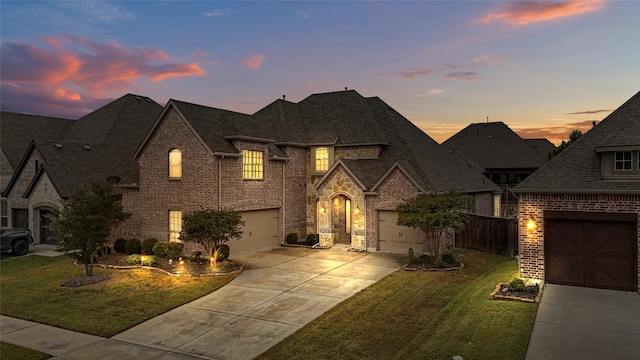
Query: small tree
x=211 y=228
x=575 y=134
x=435 y=214
x=84 y=224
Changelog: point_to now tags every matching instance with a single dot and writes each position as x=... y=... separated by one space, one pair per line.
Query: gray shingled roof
x=577 y=168
x=542 y=147
x=18 y=130
x=343 y=118
x=112 y=132
x=493 y=146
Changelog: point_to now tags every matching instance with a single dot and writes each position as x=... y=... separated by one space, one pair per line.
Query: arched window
x=175 y=163
x=322 y=159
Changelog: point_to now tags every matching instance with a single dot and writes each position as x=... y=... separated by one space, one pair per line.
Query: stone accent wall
x=6 y=171
x=532 y=206
x=357 y=152
x=392 y=191
x=15 y=199
x=339 y=182
x=43 y=197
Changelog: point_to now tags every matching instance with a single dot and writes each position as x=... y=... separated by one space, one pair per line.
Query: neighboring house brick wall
x=296 y=199
x=392 y=191
x=484 y=204
x=532 y=206
x=6 y=171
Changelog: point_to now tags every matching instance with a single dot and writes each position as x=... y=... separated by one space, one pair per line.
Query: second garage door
x=260 y=231
x=396 y=238
x=591 y=249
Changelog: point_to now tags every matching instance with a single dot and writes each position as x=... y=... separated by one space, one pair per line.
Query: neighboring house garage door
x=396 y=238
x=260 y=231
x=591 y=249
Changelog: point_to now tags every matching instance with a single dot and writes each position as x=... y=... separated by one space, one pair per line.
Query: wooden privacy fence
x=489 y=234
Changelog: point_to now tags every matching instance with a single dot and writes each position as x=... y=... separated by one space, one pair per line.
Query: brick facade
x=532 y=207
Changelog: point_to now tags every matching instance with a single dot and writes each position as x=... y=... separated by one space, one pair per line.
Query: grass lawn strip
x=30 y=290
x=421 y=315
x=10 y=351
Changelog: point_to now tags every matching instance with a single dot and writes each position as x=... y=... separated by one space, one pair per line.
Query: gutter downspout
x=283 y=202
x=220 y=182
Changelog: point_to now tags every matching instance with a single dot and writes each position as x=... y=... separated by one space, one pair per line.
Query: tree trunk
x=89 y=267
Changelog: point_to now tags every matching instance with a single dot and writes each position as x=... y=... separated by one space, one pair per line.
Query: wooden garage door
x=396 y=238
x=591 y=249
x=260 y=231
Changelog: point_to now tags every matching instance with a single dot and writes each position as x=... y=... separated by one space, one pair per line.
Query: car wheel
x=20 y=247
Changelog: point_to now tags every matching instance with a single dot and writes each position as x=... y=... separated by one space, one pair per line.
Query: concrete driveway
x=583 y=323
x=282 y=290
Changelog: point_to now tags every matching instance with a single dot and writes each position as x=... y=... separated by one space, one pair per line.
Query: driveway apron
x=583 y=323
x=280 y=291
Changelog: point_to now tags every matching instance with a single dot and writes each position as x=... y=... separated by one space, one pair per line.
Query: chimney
x=283 y=97
x=593 y=124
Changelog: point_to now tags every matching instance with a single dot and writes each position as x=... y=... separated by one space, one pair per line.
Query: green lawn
x=9 y=351
x=30 y=289
x=421 y=315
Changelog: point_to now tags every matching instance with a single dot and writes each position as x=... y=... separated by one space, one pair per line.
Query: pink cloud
x=94 y=70
x=415 y=73
x=463 y=75
x=527 y=12
x=253 y=62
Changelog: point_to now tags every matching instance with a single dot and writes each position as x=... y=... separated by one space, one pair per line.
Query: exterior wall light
x=531 y=225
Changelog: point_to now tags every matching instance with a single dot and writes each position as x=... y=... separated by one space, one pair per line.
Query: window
x=175 y=163
x=20 y=218
x=4 y=214
x=638 y=160
x=175 y=225
x=623 y=160
x=252 y=164
x=322 y=159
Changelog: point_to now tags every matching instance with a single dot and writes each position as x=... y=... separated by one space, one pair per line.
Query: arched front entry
x=341 y=219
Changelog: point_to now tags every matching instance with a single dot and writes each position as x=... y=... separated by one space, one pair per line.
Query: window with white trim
x=623 y=161
x=322 y=159
x=175 y=164
x=175 y=225
x=252 y=164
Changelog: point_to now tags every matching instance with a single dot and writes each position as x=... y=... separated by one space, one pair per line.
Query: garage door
x=260 y=231
x=591 y=249
x=396 y=238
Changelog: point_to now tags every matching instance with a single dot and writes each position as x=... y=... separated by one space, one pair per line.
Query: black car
x=17 y=240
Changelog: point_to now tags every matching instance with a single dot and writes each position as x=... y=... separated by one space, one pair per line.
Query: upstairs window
x=175 y=163
x=322 y=159
x=252 y=164
x=175 y=225
x=623 y=161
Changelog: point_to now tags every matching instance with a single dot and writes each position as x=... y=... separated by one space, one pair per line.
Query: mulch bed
x=427 y=263
x=183 y=267
x=531 y=293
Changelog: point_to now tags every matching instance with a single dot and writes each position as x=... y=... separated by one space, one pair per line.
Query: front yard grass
x=9 y=351
x=421 y=315
x=30 y=289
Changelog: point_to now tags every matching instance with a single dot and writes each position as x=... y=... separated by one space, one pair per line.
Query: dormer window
x=623 y=161
x=322 y=159
x=175 y=164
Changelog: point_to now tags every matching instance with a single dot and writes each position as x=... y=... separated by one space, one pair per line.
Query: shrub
x=439 y=263
x=147 y=245
x=174 y=250
x=412 y=258
x=448 y=258
x=136 y=259
x=224 y=252
x=133 y=246
x=160 y=249
x=312 y=239
x=119 y=245
x=195 y=256
x=292 y=238
x=516 y=284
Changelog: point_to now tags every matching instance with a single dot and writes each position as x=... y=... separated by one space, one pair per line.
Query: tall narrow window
x=4 y=214
x=252 y=164
x=175 y=163
x=175 y=225
x=322 y=159
x=623 y=160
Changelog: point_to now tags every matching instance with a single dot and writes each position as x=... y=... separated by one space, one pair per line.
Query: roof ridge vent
x=58 y=146
x=86 y=147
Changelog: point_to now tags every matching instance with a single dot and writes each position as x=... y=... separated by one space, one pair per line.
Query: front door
x=341 y=219
x=44 y=227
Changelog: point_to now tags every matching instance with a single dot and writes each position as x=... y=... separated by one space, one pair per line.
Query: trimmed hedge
x=120 y=245
x=147 y=245
x=133 y=246
x=292 y=238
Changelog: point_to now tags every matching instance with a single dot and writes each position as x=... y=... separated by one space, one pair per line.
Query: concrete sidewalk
x=583 y=323
x=282 y=290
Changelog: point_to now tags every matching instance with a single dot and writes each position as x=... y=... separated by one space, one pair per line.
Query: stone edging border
x=494 y=295
x=406 y=267
x=132 y=267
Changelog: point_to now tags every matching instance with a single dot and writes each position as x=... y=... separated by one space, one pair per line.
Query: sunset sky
x=541 y=67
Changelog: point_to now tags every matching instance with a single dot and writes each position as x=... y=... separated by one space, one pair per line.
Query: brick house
x=501 y=155
x=336 y=164
x=57 y=156
x=579 y=214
